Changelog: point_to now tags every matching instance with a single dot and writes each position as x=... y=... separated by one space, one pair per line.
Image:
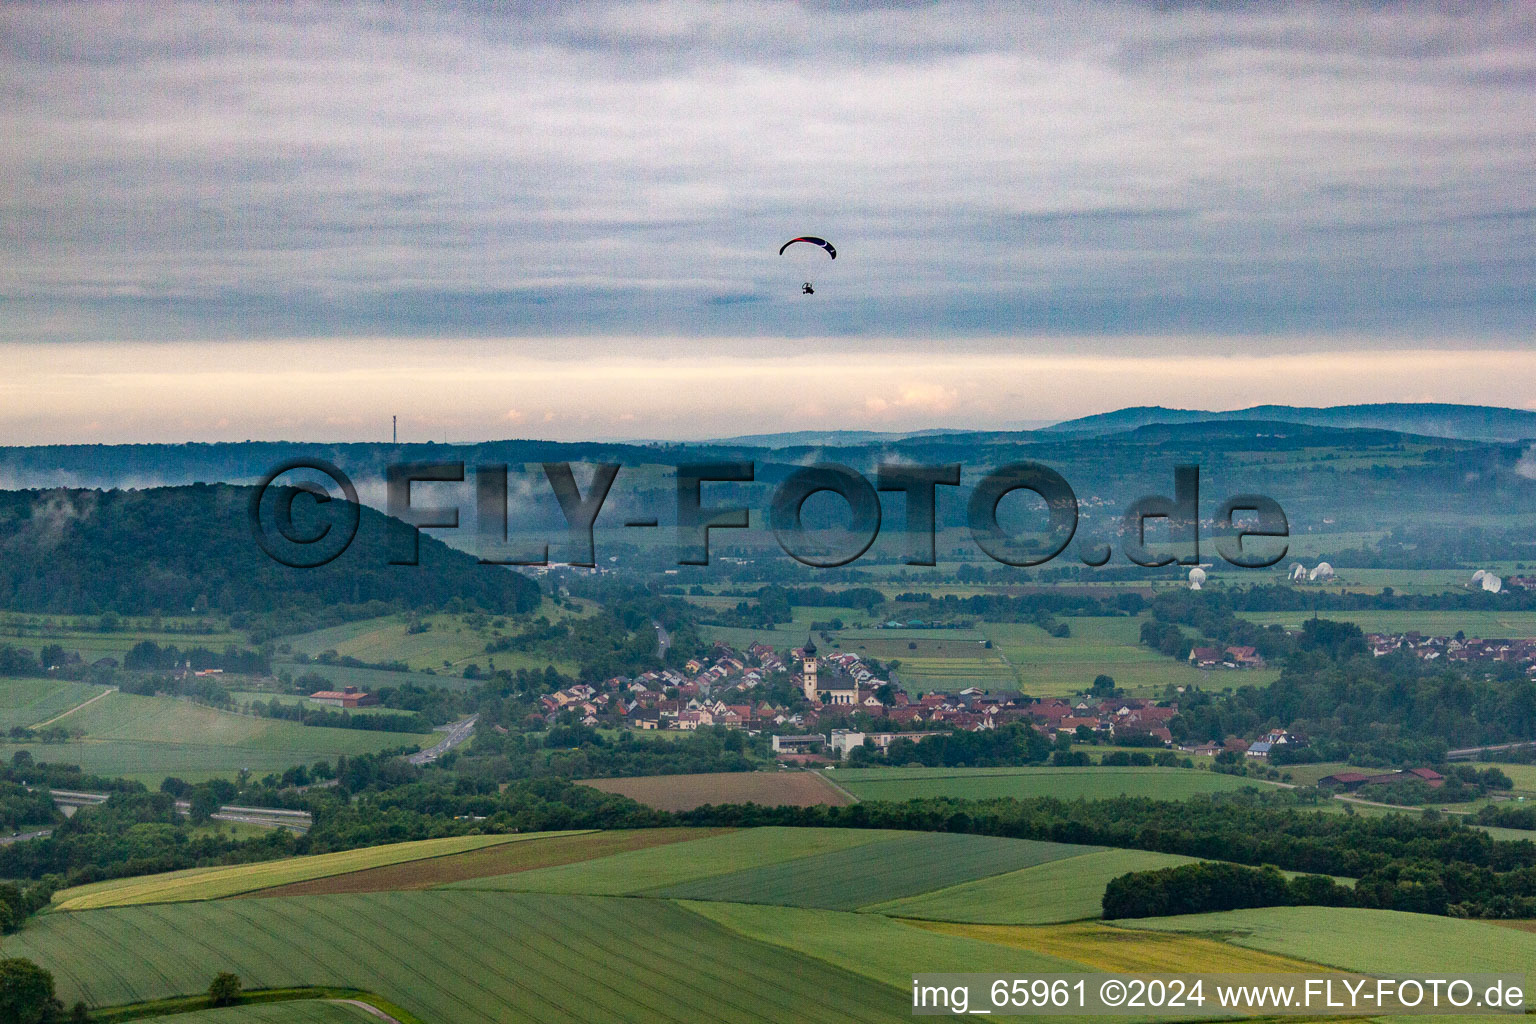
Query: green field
x=1383 y=942
x=82 y=634
x=148 y=738
x=451 y=643
x=1022 y=783
x=879 y=948
x=659 y=867
x=460 y=957
x=1050 y=666
x=1070 y=889
x=241 y=697
x=904 y=864
x=1474 y=623
x=293 y=1011
x=29 y=702
x=217 y=882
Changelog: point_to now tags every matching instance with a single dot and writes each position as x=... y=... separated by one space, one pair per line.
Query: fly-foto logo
x=274 y=526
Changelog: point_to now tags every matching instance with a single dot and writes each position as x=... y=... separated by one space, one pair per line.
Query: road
x=267 y=817
x=458 y=732
x=23 y=836
x=663 y=640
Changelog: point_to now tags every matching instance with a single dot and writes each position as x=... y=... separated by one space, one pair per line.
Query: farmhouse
x=347 y=697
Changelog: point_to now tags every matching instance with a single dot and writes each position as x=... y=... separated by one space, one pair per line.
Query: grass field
x=904 y=864
x=1473 y=623
x=685 y=792
x=29 y=702
x=148 y=738
x=1385 y=942
x=292 y=699
x=659 y=868
x=878 y=948
x=293 y=1011
x=1069 y=889
x=451 y=643
x=83 y=635
x=1107 y=948
x=1063 y=783
x=218 y=882
x=503 y=859
x=1050 y=666
x=460 y=957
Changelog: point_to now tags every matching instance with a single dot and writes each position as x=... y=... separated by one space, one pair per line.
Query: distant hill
x=1468 y=422
x=802 y=438
x=172 y=549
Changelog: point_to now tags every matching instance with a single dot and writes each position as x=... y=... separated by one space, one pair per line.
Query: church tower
x=808 y=670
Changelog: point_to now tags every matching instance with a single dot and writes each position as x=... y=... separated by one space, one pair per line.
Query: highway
x=267 y=817
x=458 y=732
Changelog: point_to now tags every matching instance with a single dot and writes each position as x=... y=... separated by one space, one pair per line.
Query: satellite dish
x=1477 y=577
x=1298 y=571
x=1324 y=571
x=1196 y=578
x=1492 y=583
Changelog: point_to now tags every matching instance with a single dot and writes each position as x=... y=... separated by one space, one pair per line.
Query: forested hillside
x=176 y=549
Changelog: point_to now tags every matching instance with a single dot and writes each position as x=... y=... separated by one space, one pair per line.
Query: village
x=1458 y=648
x=727 y=688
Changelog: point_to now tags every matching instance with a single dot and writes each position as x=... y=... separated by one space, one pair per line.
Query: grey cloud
x=220 y=170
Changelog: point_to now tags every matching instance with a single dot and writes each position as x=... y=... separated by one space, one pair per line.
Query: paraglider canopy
x=813 y=241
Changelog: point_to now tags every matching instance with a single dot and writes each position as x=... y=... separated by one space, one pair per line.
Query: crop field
x=878 y=948
x=148 y=738
x=217 y=882
x=659 y=868
x=460 y=957
x=905 y=864
x=1022 y=783
x=502 y=859
x=685 y=792
x=1473 y=623
x=29 y=702
x=1107 y=948
x=1070 y=889
x=1371 y=941
x=293 y=1011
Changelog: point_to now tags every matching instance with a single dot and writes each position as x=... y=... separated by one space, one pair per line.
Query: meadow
x=447 y=645
x=685 y=792
x=149 y=738
x=1022 y=783
x=1473 y=623
x=218 y=882
x=85 y=636
x=1049 y=666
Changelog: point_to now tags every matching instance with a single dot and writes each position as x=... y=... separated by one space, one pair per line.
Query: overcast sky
x=584 y=185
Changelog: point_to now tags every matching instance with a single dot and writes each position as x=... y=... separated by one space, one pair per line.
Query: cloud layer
x=599 y=171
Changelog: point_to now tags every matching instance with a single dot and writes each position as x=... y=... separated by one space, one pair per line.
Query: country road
x=458 y=732
x=663 y=640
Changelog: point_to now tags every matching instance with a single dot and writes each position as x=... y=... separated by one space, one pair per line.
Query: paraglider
x=822 y=243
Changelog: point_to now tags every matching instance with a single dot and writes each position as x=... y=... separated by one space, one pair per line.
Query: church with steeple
x=835 y=686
